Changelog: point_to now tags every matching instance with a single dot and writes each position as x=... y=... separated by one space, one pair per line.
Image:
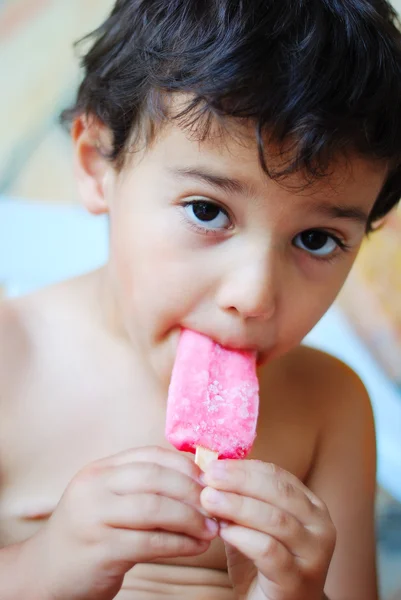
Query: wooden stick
x=204 y=456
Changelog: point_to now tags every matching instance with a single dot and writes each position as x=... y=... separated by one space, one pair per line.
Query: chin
x=266 y=356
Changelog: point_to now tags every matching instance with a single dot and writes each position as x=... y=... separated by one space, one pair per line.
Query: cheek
x=304 y=306
x=154 y=269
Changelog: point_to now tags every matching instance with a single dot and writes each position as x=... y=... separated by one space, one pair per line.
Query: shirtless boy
x=241 y=150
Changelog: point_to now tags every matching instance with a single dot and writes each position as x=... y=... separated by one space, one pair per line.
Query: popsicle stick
x=204 y=456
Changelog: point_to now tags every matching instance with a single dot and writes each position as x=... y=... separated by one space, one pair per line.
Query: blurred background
x=45 y=236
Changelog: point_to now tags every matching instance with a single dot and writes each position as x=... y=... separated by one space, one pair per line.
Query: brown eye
x=205 y=211
x=317 y=242
x=207 y=214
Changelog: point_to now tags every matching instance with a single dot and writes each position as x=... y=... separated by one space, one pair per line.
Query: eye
x=317 y=242
x=207 y=215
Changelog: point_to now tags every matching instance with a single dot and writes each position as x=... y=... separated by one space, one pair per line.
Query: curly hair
x=320 y=76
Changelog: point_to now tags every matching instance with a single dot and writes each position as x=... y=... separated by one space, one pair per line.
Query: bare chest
x=50 y=432
x=44 y=442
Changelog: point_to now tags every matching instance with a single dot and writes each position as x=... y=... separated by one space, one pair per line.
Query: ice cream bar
x=213 y=399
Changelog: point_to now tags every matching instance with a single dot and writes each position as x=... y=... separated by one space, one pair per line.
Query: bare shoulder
x=14 y=336
x=17 y=343
x=31 y=328
x=316 y=402
x=322 y=384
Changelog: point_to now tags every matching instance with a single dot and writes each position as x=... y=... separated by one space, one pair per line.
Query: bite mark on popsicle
x=213 y=399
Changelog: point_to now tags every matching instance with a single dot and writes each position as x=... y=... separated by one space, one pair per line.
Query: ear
x=92 y=141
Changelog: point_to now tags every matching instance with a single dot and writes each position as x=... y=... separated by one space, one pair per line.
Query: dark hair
x=321 y=75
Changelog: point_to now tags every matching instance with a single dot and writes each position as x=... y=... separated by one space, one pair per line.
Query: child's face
x=202 y=238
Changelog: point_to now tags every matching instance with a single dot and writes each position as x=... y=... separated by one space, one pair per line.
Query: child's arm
x=344 y=477
x=280 y=533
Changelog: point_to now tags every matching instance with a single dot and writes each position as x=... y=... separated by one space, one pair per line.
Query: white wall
x=397 y=5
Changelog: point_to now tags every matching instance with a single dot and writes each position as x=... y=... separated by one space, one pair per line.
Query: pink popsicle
x=213 y=399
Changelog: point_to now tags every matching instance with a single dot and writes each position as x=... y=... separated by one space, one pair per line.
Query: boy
x=241 y=150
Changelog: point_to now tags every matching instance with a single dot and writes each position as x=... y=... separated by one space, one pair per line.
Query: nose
x=250 y=289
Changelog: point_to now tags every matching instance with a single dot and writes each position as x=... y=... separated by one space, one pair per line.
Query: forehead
x=232 y=152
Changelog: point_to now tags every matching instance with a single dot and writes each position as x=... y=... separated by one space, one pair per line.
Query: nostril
x=262 y=315
x=254 y=298
x=232 y=309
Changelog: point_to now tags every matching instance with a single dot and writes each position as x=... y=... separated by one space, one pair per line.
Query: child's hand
x=137 y=506
x=279 y=536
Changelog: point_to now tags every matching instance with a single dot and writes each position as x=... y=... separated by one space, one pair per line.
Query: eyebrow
x=226 y=184
x=235 y=186
x=351 y=213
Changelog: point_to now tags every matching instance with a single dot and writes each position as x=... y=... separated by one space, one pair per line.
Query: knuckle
x=320 y=506
x=152 y=506
x=279 y=519
x=153 y=472
x=327 y=531
x=273 y=470
x=284 y=487
x=157 y=541
x=270 y=549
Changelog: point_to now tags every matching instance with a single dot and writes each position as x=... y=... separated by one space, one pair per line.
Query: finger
x=266 y=482
x=155 y=454
x=152 y=511
x=270 y=557
x=144 y=546
x=260 y=516
x=145 y=477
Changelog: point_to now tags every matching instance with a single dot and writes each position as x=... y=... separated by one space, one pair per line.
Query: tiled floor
x=39 y=74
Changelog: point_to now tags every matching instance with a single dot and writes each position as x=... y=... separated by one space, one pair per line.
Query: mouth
x=237 y=345
x=262 y=356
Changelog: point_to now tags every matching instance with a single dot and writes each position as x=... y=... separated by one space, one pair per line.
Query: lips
x=231 y=343
x=238 y=343
x=261 y=355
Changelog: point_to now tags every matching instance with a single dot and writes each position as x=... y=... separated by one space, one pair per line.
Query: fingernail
x=212 y=526
x=224 y=524
x=213 y=496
